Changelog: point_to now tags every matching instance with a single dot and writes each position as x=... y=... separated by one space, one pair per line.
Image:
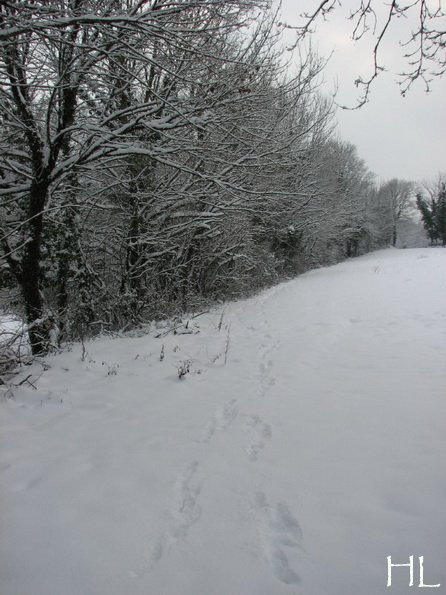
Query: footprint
x=278 y=529
x=267 y=348
x=181 y=516
x=185 y=511
x=266 y=365
x=260 y=432
x=265 y=380
x=287 y=525
x=221 y=420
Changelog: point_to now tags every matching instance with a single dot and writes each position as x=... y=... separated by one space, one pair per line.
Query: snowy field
x=305 y=445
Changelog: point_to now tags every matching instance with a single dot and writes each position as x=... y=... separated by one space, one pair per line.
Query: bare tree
x=60 y=115
x=155 y=153
x=397 y=200
x=338 y=218
x=424 y=45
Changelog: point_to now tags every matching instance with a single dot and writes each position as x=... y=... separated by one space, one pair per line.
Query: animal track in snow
x=221 y=420
x=265 y=380
x=260 y=433
x=267 y=348
x=278 y=529
x=265 y=367
x=184 y=512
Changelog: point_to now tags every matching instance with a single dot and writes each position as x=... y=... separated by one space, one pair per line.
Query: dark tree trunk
x=348 y=249
x=68 y=252
x=31 y=269
x=394 y=236
x=62 y=294
x=133 y=274
x=132 y=277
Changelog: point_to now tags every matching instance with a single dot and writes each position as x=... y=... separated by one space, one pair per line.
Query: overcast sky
x=403 y=137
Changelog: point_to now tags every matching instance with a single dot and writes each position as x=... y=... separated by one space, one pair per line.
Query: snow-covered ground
x=14 y=345
x=12 y=333
x=305 y=445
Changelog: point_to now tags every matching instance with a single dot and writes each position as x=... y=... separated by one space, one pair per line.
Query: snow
x=305 y=445
x=13 y=336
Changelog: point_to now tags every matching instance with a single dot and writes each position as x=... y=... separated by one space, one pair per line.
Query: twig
x=228 y=337
x=27 y=379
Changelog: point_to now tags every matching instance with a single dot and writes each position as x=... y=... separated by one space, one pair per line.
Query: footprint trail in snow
x=280 y=536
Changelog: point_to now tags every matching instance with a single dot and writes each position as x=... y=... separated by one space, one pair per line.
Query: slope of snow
x=305 y=445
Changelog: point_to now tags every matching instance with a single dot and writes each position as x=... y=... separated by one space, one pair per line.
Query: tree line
x=158 y=154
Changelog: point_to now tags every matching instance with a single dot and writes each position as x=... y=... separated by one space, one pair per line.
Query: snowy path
x=297 y=467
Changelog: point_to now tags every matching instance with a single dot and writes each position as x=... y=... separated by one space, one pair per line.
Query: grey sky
x=397 y=136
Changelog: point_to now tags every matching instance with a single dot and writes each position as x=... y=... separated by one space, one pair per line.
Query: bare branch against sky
x=398 y=136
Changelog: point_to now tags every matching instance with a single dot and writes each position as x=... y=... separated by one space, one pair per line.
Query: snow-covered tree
x=153 y=154
x=433 y=212
x=85 y=85
x=397 y=200
x=340 y=226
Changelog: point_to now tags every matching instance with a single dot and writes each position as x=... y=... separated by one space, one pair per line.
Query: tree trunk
x=394 y=236
x=31 y=269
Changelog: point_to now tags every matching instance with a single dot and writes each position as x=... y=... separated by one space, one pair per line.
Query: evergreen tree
x=433 y=214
